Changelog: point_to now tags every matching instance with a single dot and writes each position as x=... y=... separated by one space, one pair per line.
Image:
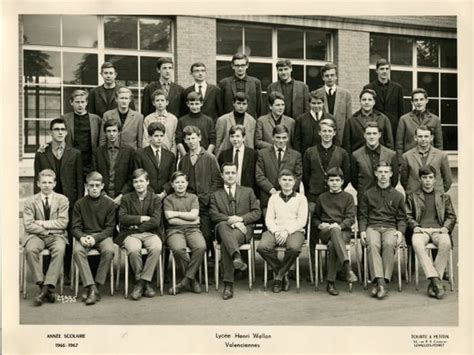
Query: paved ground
x=257 y=307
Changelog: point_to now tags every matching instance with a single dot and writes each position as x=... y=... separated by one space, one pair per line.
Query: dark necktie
x=231 y=200
x=280 y=155
x=158 y=157
x=330 y=92
x=47 y=209
x=236 y=158
x=200 y=91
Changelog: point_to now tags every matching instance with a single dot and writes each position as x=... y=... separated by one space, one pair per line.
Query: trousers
x=133 y=245
x=336 y=241
x=381 y=251
x=442 y=241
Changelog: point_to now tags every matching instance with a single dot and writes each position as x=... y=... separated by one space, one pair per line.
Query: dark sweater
x=201 y=121
x=335 y=208
x=93 y=216
x=382 y=208
x=429 y=218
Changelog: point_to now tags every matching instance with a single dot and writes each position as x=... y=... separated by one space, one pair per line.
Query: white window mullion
x=100 y=46
x=274 y=52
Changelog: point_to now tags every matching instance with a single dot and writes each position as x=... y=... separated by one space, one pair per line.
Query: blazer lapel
x=69 y=118
x=102 y=93
x=273 y=158
x=66 y=156
x=233 y=86
x=50 y=156
x=337 y=101
x=417 y=157
x=360 y=121
x=152 y=157
x=431 y=156
x=39 y=207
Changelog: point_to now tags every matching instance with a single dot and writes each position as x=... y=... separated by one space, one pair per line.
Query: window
x=308 y=49
x=428 y=63
x=64 y=53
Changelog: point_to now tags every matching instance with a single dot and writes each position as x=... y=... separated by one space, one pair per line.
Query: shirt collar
x=180 y=196
x=316 y=115
x=323 y=148
x=43 y=197
x=368 y=149
x=165 y=82
x=424 y=154
x=286 y=83
x=155 y=149
x=203 y=85
x=286 y=198
x=161 y=114
x=275 y=119
x=276 y=149
x=237 y=78
x=55 y=146
x=326 y=88
x=116 y=144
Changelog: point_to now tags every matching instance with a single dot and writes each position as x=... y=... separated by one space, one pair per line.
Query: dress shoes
x=277 y=286
x=195 y=287
x=285 y=283
x=137 y=291
x=439 y=290
x=331 y=289
x=149 y=291
x=51 y=295
x=373 y=291
x=239 y=264
x=228 y=292
x=351 y=277
x=41 y=297
x=177 y=289
x=93 y=296
x=431 y=292
x=381 y=292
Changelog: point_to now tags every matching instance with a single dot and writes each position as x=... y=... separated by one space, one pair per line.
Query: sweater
x=93 y=216
x=335 y=208
x=291 y=215
x=201 y=121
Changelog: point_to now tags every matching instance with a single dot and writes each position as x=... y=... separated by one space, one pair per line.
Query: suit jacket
x=98 y=104
x=314 y=175
x=159 y=176
x=354 y=130
x=212 y=104
x=246 y=206
x=267 y=170
x=407 y=127
x=299 y=102
x=132 y=130
x=175 y=97
x=96 y=124
x=362 y=173
x=71 y=171
x=248 y=166
x=130 y=212
x=264 y=130
x=253 y=89
x=123 y=168
x=307 y=131
x=390 y=104
x=411 y=164
x=223 y=125
x=58 y=217
x=342 y=109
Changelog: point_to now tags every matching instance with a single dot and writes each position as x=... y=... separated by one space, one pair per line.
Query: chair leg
x=310 y=264
x=321 y=276
x=316 y=269
x=72 y=273
x=61 y=281
x=161 y=273
x=252 y=246
x=405 y=255
x=250 y=268
x=76 y=280
x=399 y=266
x=349 y=255
x=366 y=271
x=451 y=270
x=409 y=263
x=126 y=275
x=265 y=275
x=206 y=277
x=417 y=280
x=22 y=255
x=119 y=262
x=173 y=272
x=25 y=276
x=359 y=271
x=297 y=274
x=216 y=265
x=112 y=278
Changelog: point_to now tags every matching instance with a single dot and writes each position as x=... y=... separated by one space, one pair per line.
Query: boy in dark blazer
x=164 y=67
x=114 y=161
x=158 y=162
x=211 y=94
x=240 y=81
x=295 y=92
x=243 y=157
x=389 y=98
x=103 y=98
x=274 y=159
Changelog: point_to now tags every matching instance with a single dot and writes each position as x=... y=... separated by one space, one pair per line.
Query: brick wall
x=352 y=60
x=195 y=41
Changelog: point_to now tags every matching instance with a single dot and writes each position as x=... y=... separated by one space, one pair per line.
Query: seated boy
x=93 y=224
x=334 y=216
x=139 y=217
x=45 y=218
x=182 y=214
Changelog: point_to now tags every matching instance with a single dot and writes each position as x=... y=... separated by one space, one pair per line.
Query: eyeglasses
x=239 y=65
x=59 y=129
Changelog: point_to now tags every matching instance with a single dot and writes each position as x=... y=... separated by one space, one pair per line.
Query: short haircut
x=112 y=122
x=163 y=60
x=197 y=65
x=317 y=95
x=156 y=126
x=327 y=67
x=159 y=92
x=194 y=96
x=372 y=124
x=283 y=63
x=419 y=91
x=426 y=170
x=278 y=129
x=368 y=91
x=383 y=164
x=78 y=92
x=240 y=96
x=46 y=172
x=57 y=121
x=140 y=172
x=107 y=65
x=286 y=172
x=228 y=163
x=423 y=128
x=381 y=62
x=238 y=56
x=235 y=128
x=334 y=172
x=328 y=122
x=275 y=95
x=178 y=174
x=94 y=176
x=189 y=130
x=122 y=90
